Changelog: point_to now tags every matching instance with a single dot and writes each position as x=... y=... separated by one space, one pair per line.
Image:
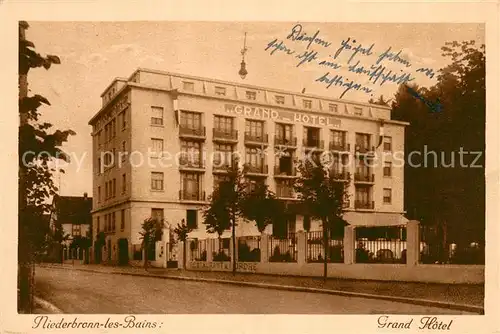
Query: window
x=254 y=129
x=338 y=139
x=253 y=157
x=156 y=181
x=251 y=95
x=387 y=143
x=358 y=111
x=190 y=120
x=113 y=127
x=362 y=141
x=106 y=190
x=98 y=227
x=190 y=186
x=223 y=155
x=188 y=86
x=156 y=116
x=221 y=91
x=124 y=119
x=387 y=168
x=113 y=157
x=252 y=184
x=307 y=104
x=156 y=147
x=106 y=223
x=339 y=163
x=190 y=153
x=332 y=107
x=114 y=188
x=307 y=223
x=113 y=221
x=192 y=218
x=122 y=220
x=99 y=138
x=363 y=195
x=106 y=133
x=283 y=133
x=284 y=189
x=124 y=183
x=157 y=214
x=362 y=168
x=76 y=230
x=99 y=194
x=311 y=137
x=279 y=99
x=387 y=196
x=284 y=163
x=223 y=124
x=124 y=151
x=218 y=179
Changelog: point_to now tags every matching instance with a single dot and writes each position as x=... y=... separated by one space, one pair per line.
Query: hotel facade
x=161 y=142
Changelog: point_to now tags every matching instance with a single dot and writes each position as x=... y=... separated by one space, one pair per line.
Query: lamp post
x=243 y=71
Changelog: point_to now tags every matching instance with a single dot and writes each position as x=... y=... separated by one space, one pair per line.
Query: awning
x=375 y=219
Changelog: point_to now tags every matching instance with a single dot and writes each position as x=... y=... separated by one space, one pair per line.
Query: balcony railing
x=364 y=177
x=291 y=142
x=187 y=162
x=284 y=191
x=231 y=135
x=192 y=132
x=364 y=149
x=217 y=167
x=366 y=205
x=252 y=169
x=318 y=144
x=340 y=175
x=191 y=195
x=253 y=138
x=290 y=172
x=342 y=147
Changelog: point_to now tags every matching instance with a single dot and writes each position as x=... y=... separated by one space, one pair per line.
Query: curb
x=47 y=305
x=415 y=301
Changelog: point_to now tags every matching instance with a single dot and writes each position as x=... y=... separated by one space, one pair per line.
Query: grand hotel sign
x=286 y=116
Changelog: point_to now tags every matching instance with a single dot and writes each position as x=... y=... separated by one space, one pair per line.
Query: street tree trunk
x=325 y=247
x=184 y=254
x=146 y=256
x=233 y=233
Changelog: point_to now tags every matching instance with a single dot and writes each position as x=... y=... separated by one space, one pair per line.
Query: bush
x=221 y=256
x=203 y=256
x=335 y=254
x=247 y=255
x=278 y=257
x=362 y=254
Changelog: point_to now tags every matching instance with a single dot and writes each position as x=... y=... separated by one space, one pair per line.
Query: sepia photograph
x=212 y=167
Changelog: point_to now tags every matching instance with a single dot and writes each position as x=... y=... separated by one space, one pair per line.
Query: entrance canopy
x=375 y=219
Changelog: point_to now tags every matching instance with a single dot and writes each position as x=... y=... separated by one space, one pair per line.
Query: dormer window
x=358 y=111
x=332 y=107
x=188 y=86
x=279 y=99
x=251 y=95
x=307 y=104
x=221 y=91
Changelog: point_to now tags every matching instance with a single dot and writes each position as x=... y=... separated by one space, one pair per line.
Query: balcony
x=339 y=147
x=191 y=196
x=190 y=164
x=256 y=170
x=364 y=149
x=218 y=168
x=365 y=177
x=313 y=144
x=287 y=142
x=192 y=133
x=284 y=192
x=226 y=136
x=290 y=173
x=364 y=205
x=339 y=175
x=254 y=139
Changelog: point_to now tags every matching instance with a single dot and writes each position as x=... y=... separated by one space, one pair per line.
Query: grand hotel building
x=153 y=115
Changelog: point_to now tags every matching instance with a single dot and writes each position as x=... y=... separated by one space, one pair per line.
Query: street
x=83 y=292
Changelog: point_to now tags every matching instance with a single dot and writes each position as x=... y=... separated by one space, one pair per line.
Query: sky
x=94 y=53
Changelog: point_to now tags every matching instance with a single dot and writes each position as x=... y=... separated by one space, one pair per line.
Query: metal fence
x=283 y=250
x=221 y=249
x=198 y=249
x=316 y=251
x=249 y=249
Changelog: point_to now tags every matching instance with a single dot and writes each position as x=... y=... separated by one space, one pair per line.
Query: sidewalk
x=471 y=295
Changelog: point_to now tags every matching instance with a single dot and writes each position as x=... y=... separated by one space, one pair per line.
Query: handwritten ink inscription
x=352 y=65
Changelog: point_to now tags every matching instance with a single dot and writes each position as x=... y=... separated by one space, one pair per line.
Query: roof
x=73 y=209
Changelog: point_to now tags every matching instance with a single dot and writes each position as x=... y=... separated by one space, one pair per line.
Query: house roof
x=73 y=209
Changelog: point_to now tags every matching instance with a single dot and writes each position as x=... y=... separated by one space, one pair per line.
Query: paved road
x=83 y=292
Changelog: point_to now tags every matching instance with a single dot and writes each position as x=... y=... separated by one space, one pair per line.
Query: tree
x=261 y=206
x=182 y=231
x=322 y=197
x=224 y=208
x=152 y=231
x=432 y=193
x=35 y=171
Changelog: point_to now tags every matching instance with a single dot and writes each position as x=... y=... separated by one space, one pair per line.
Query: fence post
x=349 y=244
x=209 y=250
x=188 y=253
x=180 y=255
x=412 y=242
x=264 y=244
x=301 y=248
